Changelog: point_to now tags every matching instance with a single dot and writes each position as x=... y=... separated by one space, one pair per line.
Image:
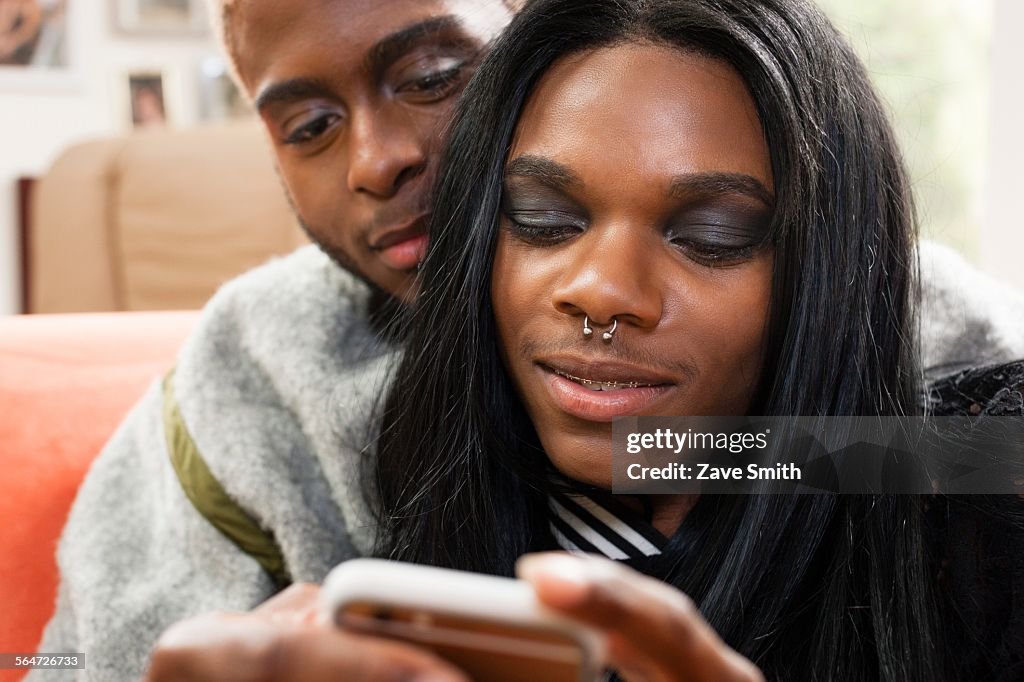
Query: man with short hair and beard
x=254 y=434
x=236 y=476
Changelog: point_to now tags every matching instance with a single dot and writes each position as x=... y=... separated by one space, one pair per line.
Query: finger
x=333 y=655
x=652 y=627
x=237 y=647
x=295 y=596
x=214 y=646
x=297 y=603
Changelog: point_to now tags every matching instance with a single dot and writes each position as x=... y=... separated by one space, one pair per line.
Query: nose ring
x=607 y=336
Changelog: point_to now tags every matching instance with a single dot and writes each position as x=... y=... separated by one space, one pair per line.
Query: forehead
x=305 y=33
x=645 y=108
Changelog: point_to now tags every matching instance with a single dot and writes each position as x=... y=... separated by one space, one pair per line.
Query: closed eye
x=543 y=227
x=711 y=245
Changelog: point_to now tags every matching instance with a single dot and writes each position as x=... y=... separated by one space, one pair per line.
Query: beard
x=388 y=316
x=334 y=252
x=386 y=312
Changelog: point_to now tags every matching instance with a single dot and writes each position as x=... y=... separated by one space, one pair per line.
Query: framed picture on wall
x=152 y=17
x=34 y=45
x=148 y=100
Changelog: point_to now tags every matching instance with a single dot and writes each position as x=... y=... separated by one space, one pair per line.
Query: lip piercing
x=607 y=336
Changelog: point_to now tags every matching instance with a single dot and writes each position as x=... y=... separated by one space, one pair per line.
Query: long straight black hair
x=808 y=587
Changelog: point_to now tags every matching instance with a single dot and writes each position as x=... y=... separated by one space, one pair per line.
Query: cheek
x=300 y=177
x=426 y=126
x=315 y=188
x=735 y=315
x=730 y=325
x=507 y=293
x=434 y=122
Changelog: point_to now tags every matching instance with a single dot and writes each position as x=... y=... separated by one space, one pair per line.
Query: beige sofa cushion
x=156 y=220
x=71 y=267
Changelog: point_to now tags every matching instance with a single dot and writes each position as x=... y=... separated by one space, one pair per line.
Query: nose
x=386 y=151
x=611 y=277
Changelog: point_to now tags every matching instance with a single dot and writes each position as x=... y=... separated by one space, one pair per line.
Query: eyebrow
x=292 y=90
x=706 y=184
x=721 y=183
x=446 y=30
x=548 y=172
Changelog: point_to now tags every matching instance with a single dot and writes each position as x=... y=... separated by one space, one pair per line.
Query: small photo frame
x=34 y=45
x=160 y=17
x=147 y=100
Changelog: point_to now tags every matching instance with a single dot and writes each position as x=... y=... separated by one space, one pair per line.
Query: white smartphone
x=492 y=628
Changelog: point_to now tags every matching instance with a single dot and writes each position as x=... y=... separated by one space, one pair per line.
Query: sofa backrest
x=155 y=220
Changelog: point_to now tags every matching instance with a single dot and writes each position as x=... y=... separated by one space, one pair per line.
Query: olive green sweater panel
x=209 y=497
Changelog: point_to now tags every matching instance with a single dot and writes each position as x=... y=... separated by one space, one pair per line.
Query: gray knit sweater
x=274 y=387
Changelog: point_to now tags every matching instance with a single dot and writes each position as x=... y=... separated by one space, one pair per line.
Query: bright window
x=930 y=60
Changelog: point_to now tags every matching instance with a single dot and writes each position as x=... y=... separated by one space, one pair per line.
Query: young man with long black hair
x=691 y=207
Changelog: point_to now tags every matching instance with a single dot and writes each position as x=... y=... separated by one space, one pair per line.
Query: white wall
x=36 y=123
x=1001 y=244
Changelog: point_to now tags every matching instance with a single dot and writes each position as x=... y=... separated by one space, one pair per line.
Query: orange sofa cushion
x=66 y=381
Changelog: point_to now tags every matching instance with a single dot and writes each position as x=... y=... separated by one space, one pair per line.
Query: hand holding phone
x=653 y=630
x=284 y=639
x=492 y=628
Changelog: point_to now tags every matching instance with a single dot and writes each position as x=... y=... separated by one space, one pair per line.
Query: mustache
x=418 y=200
x=390 y=216
x=616 y=351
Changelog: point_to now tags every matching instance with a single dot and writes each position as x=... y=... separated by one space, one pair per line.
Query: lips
x=600 y=392
x=404 y=246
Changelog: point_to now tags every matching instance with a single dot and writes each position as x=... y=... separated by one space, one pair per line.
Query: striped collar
x=598 y=523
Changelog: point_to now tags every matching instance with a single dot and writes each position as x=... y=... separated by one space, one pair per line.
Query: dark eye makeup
x=541 y=216
x=720 y=232
x=717 y=232
x=711 y=249
x=542 y=228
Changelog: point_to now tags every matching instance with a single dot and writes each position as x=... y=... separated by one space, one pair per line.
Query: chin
x=585 y=464
x=408 y=291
